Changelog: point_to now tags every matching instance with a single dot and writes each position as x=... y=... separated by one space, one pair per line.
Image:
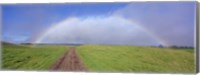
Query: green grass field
x=30 y=58
x=102 y=58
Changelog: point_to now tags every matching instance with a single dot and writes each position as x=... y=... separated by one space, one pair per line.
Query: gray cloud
x=172 y=22
x=136 y=24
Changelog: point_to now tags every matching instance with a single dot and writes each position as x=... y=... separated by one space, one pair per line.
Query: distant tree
x=185 y=46
x=160 y=46
x=174 y=46
x=190 y=47
x=26 y=43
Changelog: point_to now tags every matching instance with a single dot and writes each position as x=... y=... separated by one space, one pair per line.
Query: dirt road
x=70 y=61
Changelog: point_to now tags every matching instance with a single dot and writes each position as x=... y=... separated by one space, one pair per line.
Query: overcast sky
x=139 y=23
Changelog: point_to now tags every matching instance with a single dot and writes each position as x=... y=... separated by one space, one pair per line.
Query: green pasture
x=26 y=57
x=105 y=58
x=101 y=58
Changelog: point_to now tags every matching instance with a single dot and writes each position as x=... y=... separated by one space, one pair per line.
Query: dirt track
x=70 y=61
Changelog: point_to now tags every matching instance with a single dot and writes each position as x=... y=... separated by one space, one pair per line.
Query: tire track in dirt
x=70 y=61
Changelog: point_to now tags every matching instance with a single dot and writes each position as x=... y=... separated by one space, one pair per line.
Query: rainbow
x=44 y=34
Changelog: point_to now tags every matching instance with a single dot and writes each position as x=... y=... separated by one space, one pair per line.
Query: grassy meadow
x=104 y=58
x=25 y=57
x=101 y=58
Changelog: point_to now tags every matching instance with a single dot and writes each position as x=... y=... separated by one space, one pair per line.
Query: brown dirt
x=70 y=61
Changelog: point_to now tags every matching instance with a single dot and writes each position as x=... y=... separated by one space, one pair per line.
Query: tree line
x=174 y=46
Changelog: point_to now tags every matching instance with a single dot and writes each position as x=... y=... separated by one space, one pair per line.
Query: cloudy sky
x=136 y=23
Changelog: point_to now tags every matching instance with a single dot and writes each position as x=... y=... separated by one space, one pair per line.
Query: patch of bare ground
x=70 y=61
